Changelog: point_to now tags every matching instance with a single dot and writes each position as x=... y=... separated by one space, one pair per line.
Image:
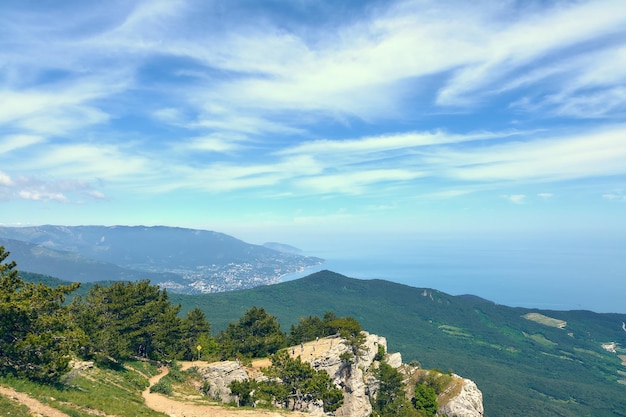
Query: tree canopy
x=300 y=385
x=36 y=332
x=137 y=319
x=256 y=334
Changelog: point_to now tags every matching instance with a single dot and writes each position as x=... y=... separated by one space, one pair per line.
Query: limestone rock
x=219 y=375
x=356 y=377
x=394 y=359
x=468 y=403
x=351 y=377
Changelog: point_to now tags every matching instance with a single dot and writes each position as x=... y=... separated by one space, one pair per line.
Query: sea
x=552 y=272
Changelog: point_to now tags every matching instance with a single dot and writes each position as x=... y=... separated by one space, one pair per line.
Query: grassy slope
x=10 y=407
x=88 y=392
x=523 y=368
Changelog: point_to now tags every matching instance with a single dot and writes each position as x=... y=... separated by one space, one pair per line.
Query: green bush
x=425 y=400
x=162 y=387
x=206 y=387
x=380 y=354
x=175 y=372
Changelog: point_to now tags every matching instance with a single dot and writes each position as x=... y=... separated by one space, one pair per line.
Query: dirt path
x=35 y=407
x=314 y=349
x=176 y=408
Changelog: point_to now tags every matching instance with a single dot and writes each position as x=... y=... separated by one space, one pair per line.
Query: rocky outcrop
x=359 y=385
x=219 y=375
x=467 y=403
x=354 y=376
x=351 y=377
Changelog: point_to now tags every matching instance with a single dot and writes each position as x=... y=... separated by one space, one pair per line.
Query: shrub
x=175 y=372
x=162 y=387
x=380 y=354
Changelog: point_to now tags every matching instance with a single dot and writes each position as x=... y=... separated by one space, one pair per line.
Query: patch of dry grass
x=545 y=320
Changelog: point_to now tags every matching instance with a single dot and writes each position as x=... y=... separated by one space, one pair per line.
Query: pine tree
x=303 y=383
x=256 y=334
x=131 y=319
x=37 y=334
x=391 y=400
x=196 y=329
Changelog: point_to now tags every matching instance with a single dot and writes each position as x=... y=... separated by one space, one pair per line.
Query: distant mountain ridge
x=73 y=266
x=281 y=247
x=185 y=260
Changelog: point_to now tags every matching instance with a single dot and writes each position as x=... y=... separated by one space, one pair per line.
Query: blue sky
x=306 y=120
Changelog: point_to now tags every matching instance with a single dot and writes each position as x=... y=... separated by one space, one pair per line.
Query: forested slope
x=524 y=368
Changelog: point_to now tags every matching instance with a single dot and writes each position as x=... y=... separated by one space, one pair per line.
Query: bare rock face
x=351 y=377
x=356 y=377
x=468 y=403
x=394 y=360
x=220 y=375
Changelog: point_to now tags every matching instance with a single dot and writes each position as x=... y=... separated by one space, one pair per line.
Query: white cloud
x=39 y=196
x=242 y=123
x=355 y=182
x=545 y=196
x=169 y=115
x=543 y=34
x=617 y=195
x=5 y=180
x=580 y=155
x=228 y=86
x=222 y=177
x=263 y=74
x=93 y=161
x=446 y=194
x=98 y=195
x=212 y=143
x=46 y=190
x=589 y=105
x=13 y=142
x=394 y=142
x=516 y=198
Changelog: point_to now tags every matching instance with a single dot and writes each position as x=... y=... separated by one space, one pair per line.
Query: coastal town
x=235 y=276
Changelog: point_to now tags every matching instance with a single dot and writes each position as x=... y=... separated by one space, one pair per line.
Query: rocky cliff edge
x=461 y=397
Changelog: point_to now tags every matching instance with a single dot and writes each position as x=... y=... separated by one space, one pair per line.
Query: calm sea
x=554 y=272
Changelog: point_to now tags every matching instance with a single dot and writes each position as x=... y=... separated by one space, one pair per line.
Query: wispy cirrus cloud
x=260 y=72
x=220 y=143
x=13 y=142
x=157 y=97
x=552 y=158
x=356 y=182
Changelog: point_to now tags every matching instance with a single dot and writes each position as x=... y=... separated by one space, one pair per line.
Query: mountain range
x=526 y=362
x=183 y=260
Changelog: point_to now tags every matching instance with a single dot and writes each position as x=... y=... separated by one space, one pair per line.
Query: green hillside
x=524 y=367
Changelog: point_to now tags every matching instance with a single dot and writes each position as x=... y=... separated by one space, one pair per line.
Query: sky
x=306 y=121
